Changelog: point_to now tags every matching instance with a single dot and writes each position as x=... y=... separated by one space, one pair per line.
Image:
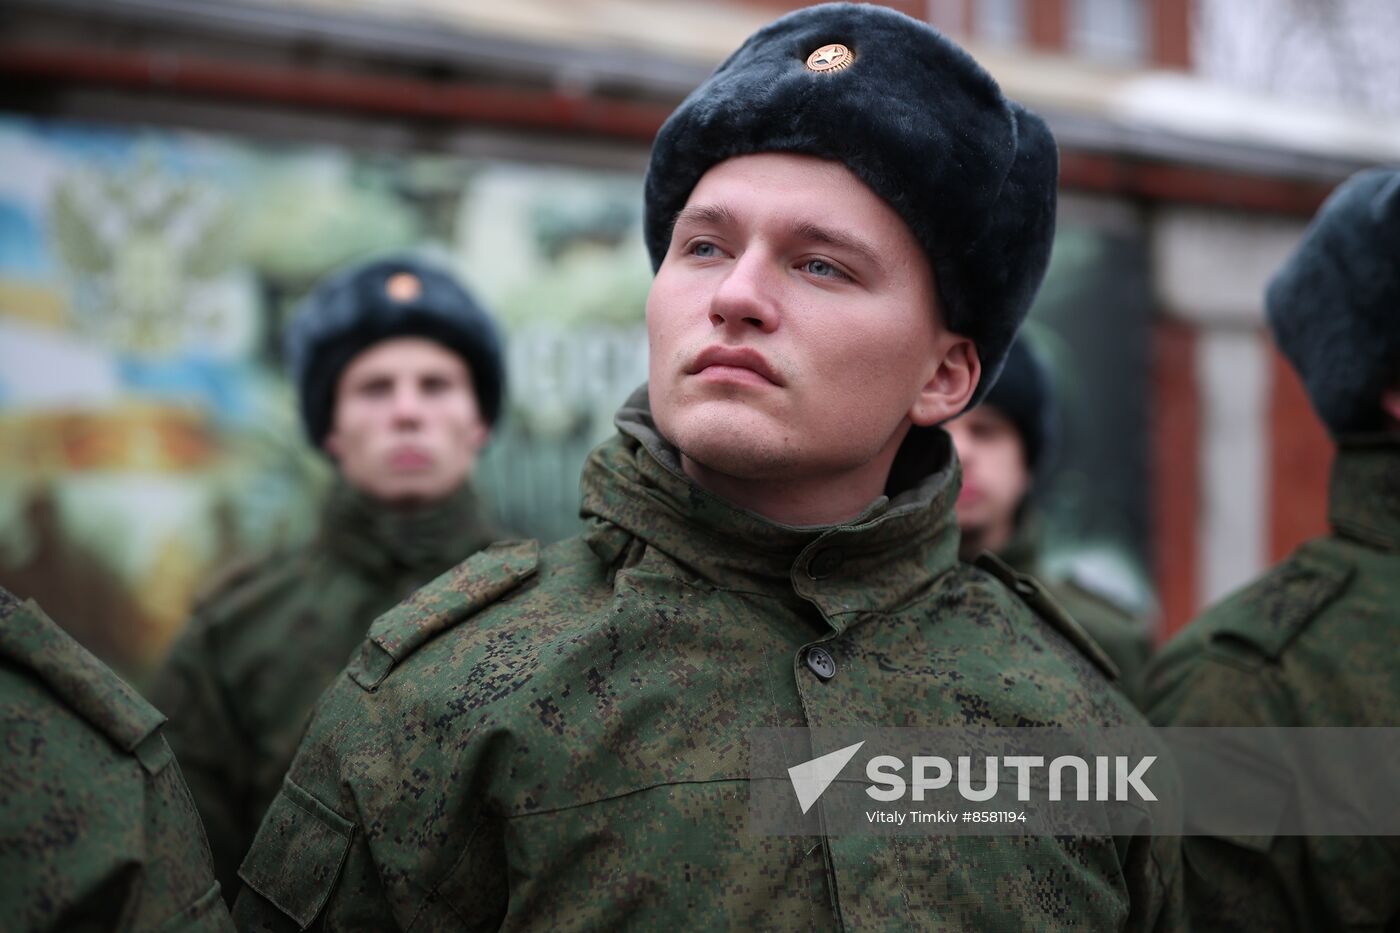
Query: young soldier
x=1003 y=445
x=848 y=222
x=1316 y=641
x=400 y=379
x=97 y=829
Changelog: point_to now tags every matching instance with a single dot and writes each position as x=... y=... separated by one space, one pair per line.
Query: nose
x=747 y=298
x=407 y=405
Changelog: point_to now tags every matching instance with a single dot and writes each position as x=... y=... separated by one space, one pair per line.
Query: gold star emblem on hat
x=403 y=286
x=831 y=57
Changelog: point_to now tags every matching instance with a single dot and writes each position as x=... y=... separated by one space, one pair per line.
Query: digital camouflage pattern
x=1315 y=642
x=558 y=740
x=97 y=829
x=1124 y=638
x=242 y=680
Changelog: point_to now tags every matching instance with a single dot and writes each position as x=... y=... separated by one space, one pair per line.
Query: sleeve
x=1156 y=885
x=179 y=890
x=213 y=752
x=1230 y=883
x=92 y=837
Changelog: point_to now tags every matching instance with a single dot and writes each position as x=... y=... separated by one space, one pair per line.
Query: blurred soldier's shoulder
x=243 y=584
x=49 y=657
x=1255 y=653
x=99 y=829
x=1260 y=621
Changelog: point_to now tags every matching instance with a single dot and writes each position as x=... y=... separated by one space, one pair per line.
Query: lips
x=409 y=458
x=734 y=358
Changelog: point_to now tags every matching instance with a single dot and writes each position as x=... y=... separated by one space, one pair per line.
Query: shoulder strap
x=90 y=688
x=457 y=595
x=1033 y=593
x=1269 y=614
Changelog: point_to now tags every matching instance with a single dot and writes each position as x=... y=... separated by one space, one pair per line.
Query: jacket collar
x=385 y=540
x=873 y=562
x=1365 y=498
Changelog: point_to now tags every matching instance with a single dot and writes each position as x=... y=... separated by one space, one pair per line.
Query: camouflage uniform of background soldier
x=1005 y=446
x=1315 y=641
x=404 y=346
x=558 y=739
x=97 y=829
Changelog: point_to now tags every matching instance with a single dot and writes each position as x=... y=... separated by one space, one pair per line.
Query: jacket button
x=821 y=662
x=825 y=562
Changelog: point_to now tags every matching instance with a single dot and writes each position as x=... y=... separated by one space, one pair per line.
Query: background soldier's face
x=995 y=477
x=792 y=324
x=407 y=427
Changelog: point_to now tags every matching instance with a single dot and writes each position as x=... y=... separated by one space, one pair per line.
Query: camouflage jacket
x=557 y=740
x=240 y=683
x=1125 y=639
x=1315 y=642
x=97 y=829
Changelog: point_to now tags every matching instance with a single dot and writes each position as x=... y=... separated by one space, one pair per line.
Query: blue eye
x=704 y=250
x=822 y=268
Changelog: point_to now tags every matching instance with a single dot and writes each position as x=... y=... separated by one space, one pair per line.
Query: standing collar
x=876 y=560
x=1365 y=497
x=385 y=539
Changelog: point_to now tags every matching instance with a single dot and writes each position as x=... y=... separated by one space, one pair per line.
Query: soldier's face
x=995 y=477
x=793 y=325
x=407 y=428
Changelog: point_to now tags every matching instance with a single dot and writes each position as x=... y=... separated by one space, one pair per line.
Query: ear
x=481 y=436
x=951 y=384
x=331 y=444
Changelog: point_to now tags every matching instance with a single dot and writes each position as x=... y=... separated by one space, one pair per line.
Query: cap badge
x=831 y=57
x=403 y=286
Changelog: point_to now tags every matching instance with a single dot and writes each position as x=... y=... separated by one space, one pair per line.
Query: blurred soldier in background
x=97 y=828
x=1316 y=641
x=848 y=221
x=400 y=376
x=1005 y=445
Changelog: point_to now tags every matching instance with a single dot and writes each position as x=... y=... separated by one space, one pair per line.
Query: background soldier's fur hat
x=398 y=296
x=1335 y=305
x=1024 y=394
x=915 y=118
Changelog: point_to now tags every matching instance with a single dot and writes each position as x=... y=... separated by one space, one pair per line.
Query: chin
x=412 y=489
x=730 y=438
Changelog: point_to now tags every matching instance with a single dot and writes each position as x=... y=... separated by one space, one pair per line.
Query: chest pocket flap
x=453 y=597
x=298 y=854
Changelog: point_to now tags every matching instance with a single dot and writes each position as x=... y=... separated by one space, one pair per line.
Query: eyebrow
x=705 y=215
x=717 y=215
x=806 y=230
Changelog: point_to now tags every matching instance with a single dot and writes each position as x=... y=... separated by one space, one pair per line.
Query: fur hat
x=909 y=113
x=1024 y=394
x=1334 y=307
x=362 y=305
